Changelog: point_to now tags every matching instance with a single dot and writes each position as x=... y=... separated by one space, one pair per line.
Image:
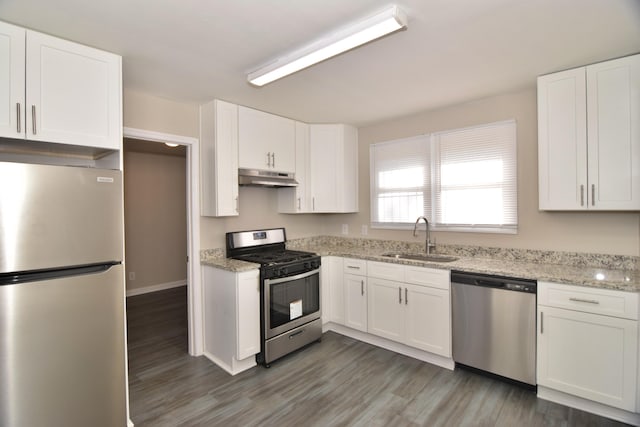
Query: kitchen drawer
x=589 y=300
x=385 y=270
x=355 y=266
x=432 y=277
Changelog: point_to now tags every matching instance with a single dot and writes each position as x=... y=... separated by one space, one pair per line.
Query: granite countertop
x=591 y=270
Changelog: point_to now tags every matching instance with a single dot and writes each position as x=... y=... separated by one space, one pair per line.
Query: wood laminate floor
x=338 y=382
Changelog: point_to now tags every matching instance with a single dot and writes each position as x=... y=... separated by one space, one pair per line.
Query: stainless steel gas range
x=289 y=289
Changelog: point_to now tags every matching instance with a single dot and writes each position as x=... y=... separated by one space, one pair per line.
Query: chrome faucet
x=427 y=244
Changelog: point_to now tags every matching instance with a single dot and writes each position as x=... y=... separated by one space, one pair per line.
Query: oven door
x=290 y=302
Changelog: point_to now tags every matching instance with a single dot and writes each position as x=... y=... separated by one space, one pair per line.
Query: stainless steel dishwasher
x=494 y=324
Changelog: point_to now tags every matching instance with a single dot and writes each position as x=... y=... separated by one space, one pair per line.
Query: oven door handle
x=290 y=278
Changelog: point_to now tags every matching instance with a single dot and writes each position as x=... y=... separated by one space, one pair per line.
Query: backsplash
x=575 y=259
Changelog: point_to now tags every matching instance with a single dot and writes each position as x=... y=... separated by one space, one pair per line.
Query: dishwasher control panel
x=498 y=282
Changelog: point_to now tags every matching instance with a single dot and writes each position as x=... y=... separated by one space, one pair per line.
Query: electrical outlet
x=132 y=275
x=364 y=230
x=345 y=229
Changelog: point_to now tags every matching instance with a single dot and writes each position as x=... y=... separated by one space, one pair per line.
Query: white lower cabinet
x=354 y=283
x=355 y=302
x=583 y=352
x=231 y=318
x=386 y=312
x=331 y=279
x=428 y=325
x=416 y=314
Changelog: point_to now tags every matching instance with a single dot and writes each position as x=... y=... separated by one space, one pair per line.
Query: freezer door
x=58 y=216
x=62 y=352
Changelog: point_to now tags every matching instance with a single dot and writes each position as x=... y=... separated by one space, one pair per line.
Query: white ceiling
x=453 y=50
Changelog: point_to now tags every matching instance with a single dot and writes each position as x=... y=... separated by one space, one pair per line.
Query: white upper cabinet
x=298 y=199
x=12 y=69
x=59 y=91
x=589 y=137
x=219 y=159
x=266 y=141
x=334 y=168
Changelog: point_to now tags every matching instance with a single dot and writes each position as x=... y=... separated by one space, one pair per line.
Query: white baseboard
x=236 y=365
x=155 y=288
x=434 y=359
x=588 y=406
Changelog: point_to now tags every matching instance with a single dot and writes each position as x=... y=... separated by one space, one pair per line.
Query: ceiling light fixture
x=386 y=22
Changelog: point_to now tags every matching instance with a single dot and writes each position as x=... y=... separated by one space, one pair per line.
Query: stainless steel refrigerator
x=62 y=341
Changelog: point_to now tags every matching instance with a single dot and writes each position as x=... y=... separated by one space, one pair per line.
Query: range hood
x=260 y=178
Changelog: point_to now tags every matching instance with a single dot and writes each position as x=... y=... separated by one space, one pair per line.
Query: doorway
x=192 y=227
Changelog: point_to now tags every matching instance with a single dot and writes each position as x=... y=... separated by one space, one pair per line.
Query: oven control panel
x=290 y=269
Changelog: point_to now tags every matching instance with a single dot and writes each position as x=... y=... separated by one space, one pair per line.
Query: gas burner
x=275 y=257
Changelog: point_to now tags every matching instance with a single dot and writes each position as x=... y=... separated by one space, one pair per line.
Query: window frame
x=432 y=185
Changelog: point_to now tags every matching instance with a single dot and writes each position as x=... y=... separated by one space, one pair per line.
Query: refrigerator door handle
x=39 y=275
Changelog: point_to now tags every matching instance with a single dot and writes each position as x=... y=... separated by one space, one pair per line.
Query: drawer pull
x=588 y=301
x=353 y=267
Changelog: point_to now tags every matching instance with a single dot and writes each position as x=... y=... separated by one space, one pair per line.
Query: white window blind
x=400 y=180
x=461 y=180
x=476 y=177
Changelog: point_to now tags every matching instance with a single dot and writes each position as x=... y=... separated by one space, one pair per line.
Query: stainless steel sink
x=421 y=257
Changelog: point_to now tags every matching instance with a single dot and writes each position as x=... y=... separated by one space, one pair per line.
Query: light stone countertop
x=591 y=270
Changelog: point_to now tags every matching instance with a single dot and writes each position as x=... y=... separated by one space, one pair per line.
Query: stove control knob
x=282 y=271
x=315 y=264
x=307 y=265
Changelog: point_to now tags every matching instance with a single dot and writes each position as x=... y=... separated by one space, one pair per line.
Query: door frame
x=194 y=279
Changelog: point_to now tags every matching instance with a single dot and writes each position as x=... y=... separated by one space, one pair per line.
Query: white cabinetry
x=12 y=83
x=298 y=199
x=231 y=318
x=334 y=168
x=589 y=137
x=588 y=343
x=331 y=277
x=266 y=141
x=355 y=294
x=68 y=93
x=410 y=305
x=219 y=159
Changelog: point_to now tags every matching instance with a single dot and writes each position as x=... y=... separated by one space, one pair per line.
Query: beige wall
x=155 y=218
x=258 y=209
x=610 y=233
x=143 y=111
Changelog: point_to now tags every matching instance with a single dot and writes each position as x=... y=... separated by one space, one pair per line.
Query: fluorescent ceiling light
x=388 y=21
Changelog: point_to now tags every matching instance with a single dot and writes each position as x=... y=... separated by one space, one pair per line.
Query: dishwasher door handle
x=490 y=283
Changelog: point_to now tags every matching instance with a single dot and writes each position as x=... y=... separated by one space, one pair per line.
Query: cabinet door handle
x=361 y=287
x=19 y=118
x=273 y=160
x=268 y=160
x=581 y=195
x=33 y=119
x=399 y=295
x=406 y=297
x=298 y=203
x=313 y=204
x=588 y=301
x=237 y=204
x=541 y=323
x=593 y=194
